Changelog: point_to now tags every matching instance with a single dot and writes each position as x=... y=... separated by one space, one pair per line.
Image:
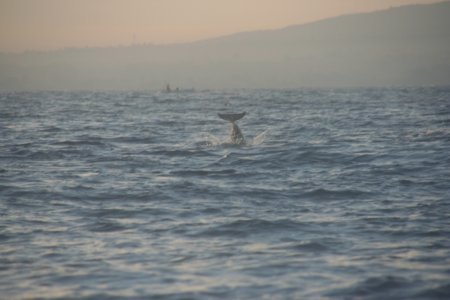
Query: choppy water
x=343 y=194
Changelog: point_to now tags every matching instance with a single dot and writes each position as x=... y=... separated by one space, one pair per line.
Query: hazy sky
x=53 y=24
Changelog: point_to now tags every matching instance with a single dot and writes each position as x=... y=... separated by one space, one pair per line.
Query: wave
x=438 y=292
x=91 y=141
x=382 y=287
x=131 y=140
x=313 y=247
x=106 y=226
x=325 y=194
x=204 y=173
x=178 y=152
x=246 y=227
x=37 y=154
x=52 y=129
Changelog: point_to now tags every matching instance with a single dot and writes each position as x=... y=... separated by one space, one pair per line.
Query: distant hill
x=408 y=45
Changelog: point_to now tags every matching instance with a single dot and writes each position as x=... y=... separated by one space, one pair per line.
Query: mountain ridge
x=406 y=45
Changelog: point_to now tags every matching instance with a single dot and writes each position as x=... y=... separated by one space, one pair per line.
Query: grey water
x=337 y=194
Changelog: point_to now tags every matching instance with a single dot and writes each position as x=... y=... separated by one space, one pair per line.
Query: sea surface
x=337 y=194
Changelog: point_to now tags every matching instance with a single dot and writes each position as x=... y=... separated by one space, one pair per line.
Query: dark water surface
x=338 y=194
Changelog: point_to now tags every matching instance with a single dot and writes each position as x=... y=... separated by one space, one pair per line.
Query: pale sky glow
x=54 y=24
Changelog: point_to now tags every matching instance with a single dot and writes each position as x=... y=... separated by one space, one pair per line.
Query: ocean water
x=338 y=194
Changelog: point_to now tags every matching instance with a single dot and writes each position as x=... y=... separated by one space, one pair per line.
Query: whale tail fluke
x=232 y=117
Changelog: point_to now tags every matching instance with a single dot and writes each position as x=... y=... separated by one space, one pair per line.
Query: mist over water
x=337 y=194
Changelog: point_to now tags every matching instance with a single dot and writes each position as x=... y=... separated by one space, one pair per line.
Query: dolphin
x=236 y=136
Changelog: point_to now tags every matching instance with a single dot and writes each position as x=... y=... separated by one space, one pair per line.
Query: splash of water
x=259 y=139
x=211 y=140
